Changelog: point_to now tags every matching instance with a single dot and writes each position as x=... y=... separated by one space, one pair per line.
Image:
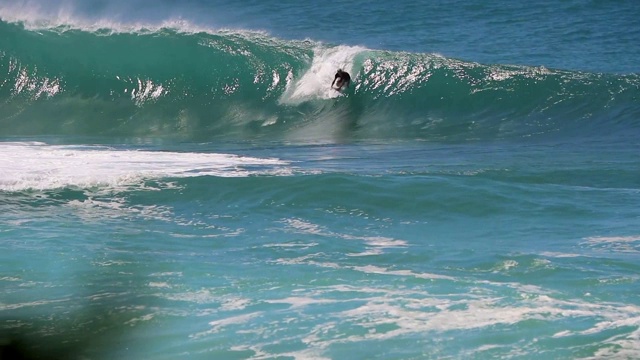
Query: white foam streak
x=296 y=302
x=217 y=325
x=38 y=166
x=375 y=243
x=612 y=239
x=627 y=244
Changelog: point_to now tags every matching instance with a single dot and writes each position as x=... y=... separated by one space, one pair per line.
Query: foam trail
x=41 y=166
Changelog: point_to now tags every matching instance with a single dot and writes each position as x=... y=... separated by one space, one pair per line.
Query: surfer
x=342 y=78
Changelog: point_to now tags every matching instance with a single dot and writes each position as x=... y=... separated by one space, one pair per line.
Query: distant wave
x=205 y=84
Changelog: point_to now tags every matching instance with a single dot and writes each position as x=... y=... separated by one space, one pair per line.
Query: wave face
x=247 y=85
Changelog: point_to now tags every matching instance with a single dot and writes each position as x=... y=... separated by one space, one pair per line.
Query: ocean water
x=178 y=180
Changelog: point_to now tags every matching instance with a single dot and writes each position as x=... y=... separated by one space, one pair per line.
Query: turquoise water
x=177 y=180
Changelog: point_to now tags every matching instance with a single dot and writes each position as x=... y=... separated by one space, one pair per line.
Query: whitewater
x=178 y=180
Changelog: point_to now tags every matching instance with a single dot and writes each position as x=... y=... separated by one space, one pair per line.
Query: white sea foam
x=390 y=312
x=375 y=244
x=40 y=167
x=217 y=325
x=553 y=254
x=234 y=303
x=629 y=244
x=10 y=307
x=304 y=227
x=372 y=269
x=202 y=296
x=612 y=239
x=315 y=82
x=478 y=313
x=159 y=285
x=136 y=320
x=296 y=302
x=505 y=265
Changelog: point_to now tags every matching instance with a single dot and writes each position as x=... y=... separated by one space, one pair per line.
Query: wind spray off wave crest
x=313 y=84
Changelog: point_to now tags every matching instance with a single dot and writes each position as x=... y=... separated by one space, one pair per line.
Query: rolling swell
x=203 y=85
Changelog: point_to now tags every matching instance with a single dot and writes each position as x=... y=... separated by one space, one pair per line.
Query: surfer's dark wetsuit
x=343 y=78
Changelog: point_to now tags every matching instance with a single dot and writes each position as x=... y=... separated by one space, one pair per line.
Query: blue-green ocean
x=179 y=181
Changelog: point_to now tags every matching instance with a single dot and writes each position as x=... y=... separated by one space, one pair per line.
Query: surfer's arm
x=334 y=81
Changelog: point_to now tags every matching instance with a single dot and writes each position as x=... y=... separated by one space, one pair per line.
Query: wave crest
x=247 y=85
